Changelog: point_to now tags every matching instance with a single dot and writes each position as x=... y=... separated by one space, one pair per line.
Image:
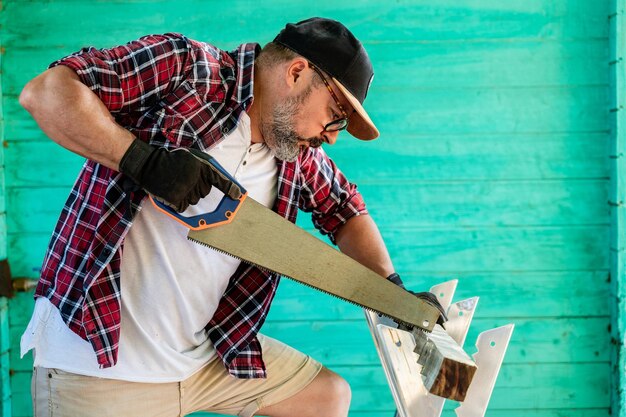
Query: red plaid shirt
x=172 y=91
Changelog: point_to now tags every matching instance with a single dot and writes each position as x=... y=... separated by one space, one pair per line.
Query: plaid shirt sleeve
x=133 y=77
x=327 y=194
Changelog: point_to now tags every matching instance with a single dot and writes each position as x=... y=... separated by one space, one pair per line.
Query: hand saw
x=249 y=231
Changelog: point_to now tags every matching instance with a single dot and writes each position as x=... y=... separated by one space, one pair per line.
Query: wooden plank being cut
x=447 y=371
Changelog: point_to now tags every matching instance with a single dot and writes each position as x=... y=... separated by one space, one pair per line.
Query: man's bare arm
x=74 y=117
x=360 y=239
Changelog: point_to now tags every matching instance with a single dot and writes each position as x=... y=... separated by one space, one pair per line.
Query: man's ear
x=295 y=71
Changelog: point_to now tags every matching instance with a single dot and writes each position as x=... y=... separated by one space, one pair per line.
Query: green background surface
x=493 y=167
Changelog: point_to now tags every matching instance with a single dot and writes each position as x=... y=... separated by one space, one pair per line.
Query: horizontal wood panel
x=40 y=164
x=545 y=386
x=35 y=209
x=405 y=158
x=549 y=386
x=367 y=379
x=541 y=339
x=534 y=340
x=430 y=65
x=490 y=64
x=504 y=294
x=493 y=249
x=508 y=203
x=554 y=386
x=390 y=160
x=448 y=111
x=336 y=343
x=474 y=110
x=427 y=250
x=541 y=203
x=57 y=24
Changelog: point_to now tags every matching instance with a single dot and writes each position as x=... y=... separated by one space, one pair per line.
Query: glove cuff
x=395 y=278
x=134 y=159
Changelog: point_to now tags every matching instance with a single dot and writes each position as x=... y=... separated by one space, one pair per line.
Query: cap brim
x=360 y=126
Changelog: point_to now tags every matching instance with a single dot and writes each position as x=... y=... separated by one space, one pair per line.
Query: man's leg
x=296 y=386
x=60 y=394
x=328 y=395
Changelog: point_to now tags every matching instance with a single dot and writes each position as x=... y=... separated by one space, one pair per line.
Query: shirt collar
x=244 y=56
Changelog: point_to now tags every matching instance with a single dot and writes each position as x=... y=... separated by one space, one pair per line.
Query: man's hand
x=429 y=297
x=180 y=177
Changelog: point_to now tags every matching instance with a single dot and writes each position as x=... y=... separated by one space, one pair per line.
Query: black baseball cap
x=330 y=46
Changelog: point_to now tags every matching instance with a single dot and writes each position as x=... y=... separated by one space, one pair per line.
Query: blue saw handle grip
x=223 y=214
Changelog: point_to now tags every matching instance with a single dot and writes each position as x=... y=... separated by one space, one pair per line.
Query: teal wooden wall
x=5 y=343
x=492 y=168
x=617 y=196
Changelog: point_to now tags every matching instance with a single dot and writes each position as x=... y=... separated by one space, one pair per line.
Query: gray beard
x=283 y=139
x=280 y=135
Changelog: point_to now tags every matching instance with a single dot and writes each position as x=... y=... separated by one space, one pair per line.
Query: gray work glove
x=429 y=297
x=179 y=178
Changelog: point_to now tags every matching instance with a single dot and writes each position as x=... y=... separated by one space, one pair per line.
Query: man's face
x=280 y=132
x=298 y=121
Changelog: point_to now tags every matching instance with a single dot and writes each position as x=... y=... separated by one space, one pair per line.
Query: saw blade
x=260 y=237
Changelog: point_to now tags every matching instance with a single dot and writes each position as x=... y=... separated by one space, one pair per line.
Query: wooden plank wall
x=492 y=168
x=618 y=210
x=5 y=343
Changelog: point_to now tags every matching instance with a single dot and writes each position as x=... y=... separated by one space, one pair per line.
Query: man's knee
x=327 y=395
x=338 y=392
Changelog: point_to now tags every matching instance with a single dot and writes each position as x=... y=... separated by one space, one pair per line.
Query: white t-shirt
x=170 y=287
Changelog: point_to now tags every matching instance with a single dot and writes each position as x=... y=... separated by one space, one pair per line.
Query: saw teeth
x=400 y=322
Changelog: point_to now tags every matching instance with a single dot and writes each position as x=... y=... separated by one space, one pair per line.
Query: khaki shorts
x=212 y=389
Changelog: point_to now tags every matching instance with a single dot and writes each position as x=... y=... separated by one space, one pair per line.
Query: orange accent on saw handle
x=223 y=214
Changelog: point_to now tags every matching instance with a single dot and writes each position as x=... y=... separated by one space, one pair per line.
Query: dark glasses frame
x=338 y=124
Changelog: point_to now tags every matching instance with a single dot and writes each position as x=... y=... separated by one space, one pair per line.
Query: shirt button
x=245 y=162
x=225 y=130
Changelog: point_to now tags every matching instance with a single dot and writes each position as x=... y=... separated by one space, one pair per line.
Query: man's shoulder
x=179 y=42
x=207 y=47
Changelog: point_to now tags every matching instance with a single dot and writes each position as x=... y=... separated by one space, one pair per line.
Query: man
x=131 y=318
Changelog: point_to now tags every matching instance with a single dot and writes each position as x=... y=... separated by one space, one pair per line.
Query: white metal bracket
x=395 y=349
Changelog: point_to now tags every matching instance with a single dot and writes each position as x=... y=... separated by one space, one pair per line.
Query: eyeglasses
x=338 y=124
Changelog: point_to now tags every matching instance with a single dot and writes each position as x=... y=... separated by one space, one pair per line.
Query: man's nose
x=330 y=137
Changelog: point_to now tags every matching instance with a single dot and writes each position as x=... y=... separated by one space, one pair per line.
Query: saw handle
x=223 y=214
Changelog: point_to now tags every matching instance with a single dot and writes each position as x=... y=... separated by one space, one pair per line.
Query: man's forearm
x=75 y=117
x=360 y=239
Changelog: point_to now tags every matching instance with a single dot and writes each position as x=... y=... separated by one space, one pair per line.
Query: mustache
x=315 y=142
